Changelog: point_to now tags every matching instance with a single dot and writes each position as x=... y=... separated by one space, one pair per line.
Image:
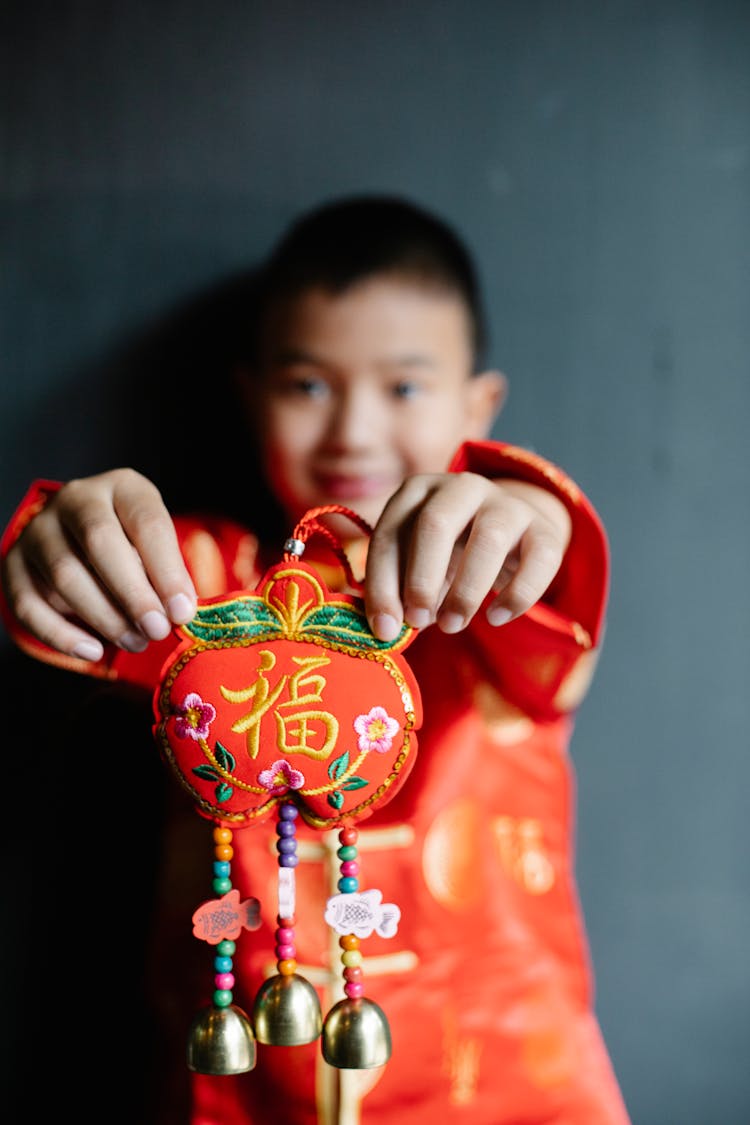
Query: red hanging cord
x=311 y=524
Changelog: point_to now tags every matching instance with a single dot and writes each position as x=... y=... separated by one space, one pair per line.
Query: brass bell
x=356 y=1035
x=287 y=1012
x=221 y=1041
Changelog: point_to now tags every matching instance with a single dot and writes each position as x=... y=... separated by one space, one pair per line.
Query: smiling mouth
x=343 y=486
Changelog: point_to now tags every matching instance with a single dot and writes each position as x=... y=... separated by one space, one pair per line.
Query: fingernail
x=418 y=618
x=132 y=642
x=181 y=609
x=498 y=615
x=385 y=627
x=451 y=622
x=89 y=650
x=155 y=625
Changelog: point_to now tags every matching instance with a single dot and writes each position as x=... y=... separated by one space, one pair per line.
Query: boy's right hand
x=100 y=562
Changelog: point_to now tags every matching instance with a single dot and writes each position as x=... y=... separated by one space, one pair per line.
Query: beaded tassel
x=286 y=846
x=351 y=957
x=286 y=1010
x=356 y=1035
x=225 y=950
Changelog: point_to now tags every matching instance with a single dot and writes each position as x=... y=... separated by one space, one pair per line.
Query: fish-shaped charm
x=361 y=914
x=225 y=917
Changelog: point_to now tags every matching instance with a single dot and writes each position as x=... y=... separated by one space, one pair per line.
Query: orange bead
x=287 y=968
x=349 y=941
x=222 y=835
x=224 y=851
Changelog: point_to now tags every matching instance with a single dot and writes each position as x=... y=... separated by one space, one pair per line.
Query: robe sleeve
x=544 y=659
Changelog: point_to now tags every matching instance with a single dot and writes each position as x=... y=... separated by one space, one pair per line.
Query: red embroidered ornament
x=281 y=703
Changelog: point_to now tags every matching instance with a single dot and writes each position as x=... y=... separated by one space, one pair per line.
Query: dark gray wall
x=596 y=156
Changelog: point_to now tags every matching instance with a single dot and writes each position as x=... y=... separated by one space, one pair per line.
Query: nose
x=356 y=419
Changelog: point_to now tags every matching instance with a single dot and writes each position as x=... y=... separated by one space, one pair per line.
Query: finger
x=539 y=557
x=506 y=572
x=96 y=528
x=35 y=613
x=383 y=606
x=48 y=568
x=486 y=560
x=387 y=558
x=150 y=528
x=436 y=550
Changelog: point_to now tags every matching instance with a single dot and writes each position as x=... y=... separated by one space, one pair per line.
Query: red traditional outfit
x=487 y=984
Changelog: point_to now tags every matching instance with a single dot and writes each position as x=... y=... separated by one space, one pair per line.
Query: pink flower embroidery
x=376 y=730
x=194 y=717
x=281 y=777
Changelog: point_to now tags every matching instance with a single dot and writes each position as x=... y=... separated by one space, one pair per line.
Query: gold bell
x=221 y=1041
x=356 y=1035
x=287 y=1012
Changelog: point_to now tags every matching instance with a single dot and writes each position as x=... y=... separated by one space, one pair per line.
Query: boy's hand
x=445 y=541
x=101 y=560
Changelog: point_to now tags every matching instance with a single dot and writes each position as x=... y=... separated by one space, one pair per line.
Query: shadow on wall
x=80 y=752
x=163 y=401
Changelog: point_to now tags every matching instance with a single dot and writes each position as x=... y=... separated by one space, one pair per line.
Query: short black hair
x=349 y=240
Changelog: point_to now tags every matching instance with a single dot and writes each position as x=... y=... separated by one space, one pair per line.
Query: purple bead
x=288 y=812
x=286 y=847
x=288 y=860
x=286 y=828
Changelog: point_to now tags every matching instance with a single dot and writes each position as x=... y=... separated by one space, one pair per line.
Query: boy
x=363 y=386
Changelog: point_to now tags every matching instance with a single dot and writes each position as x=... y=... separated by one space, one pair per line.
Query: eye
x=310 y=385
x=405 y=389
x=302 y=385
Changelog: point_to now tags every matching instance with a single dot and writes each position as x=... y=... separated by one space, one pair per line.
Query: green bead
x=222 y=998
x=347 y=852
x=226 y=947
x=222 y=885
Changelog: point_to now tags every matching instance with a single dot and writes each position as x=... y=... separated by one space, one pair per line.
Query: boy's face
x=359 y=390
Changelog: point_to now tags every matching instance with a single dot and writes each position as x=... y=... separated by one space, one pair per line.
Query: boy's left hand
x=444 y=541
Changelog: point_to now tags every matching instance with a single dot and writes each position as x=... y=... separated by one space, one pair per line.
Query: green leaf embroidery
x=246 y=616
x=223 y=792
x=355 y=782
x=338 y=766
x=336 y=799
x=208 y=773
x=224 y=758
x=345 y=625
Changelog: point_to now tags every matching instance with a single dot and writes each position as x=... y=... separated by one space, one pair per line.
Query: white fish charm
x=360 y=914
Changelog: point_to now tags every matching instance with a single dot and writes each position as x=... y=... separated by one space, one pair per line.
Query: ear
x=486 y=394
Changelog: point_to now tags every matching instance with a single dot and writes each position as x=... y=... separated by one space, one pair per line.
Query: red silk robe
x=487 y=984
